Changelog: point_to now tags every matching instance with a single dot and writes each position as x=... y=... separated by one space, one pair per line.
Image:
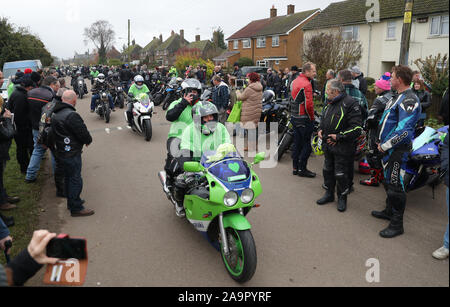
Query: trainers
x=13 y=199
x=441 y=254
x=7 y=207
x=83 y=213
x=307 y=174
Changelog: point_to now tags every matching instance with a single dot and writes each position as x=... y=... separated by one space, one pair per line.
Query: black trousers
x=24 y=148
x=59 y=174
x=335 y=173
x=3 y=195
x=173 y=152
x=303 y=131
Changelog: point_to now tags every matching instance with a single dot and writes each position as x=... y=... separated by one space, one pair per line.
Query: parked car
x=258 y=69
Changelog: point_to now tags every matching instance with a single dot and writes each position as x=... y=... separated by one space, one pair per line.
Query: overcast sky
x=60 y=24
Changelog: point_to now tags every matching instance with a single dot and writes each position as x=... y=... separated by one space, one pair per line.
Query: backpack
x=46 y=134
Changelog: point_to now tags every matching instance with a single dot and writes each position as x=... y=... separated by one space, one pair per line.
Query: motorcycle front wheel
x=107 y=113
x=167 y=101
x=242 y=260
x=148 y=130
x=157 y=100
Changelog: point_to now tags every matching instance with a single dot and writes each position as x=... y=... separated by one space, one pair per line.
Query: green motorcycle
x=217 y=194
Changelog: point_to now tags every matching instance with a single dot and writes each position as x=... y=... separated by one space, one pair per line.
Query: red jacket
x=302 y=82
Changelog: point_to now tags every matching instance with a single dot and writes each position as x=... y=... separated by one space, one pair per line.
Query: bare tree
x=102 y=35
x=331 y=51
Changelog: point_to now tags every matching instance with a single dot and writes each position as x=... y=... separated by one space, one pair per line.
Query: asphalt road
x=135 y=238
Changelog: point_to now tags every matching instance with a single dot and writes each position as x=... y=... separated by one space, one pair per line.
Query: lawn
x=26 y=214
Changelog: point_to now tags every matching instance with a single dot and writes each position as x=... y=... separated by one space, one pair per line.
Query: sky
x=60 y=23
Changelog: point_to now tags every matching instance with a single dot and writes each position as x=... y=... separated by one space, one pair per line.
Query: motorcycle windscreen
x=427 y=152
x=231 y=169
x=426 y=137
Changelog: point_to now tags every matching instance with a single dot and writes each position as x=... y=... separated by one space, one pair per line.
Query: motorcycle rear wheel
x=285 y=144
x=167 y=101
x=242 y=261
x=158 y=99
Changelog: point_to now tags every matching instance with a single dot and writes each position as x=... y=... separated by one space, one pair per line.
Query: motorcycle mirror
x=259 y=158
x=193 y=167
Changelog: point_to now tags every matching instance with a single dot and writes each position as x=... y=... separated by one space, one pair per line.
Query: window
x=246 y=43
x=391 y=27
x=261 y=42
x=236 y=45
x=439 y=25
x=275 y=41
x=262 y=63
x=350 y=33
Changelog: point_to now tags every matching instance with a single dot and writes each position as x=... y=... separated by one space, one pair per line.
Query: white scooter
x=143 y=110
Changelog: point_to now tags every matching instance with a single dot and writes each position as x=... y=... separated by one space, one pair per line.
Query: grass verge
x=27 y=212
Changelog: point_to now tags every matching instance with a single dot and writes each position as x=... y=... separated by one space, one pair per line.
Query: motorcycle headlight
x=247 y=196
x=119 y=88
x=230 y=199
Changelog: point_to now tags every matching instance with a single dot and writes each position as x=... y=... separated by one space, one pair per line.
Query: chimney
x=197 y=38
x=172 y=33
x=182 y=35
x=291 y=9
x=273 y=12
x=161 y=38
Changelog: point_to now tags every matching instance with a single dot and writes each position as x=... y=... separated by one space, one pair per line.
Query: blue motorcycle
x=424 y=165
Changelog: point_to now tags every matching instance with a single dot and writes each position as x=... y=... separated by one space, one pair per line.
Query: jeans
x=73 y=182
x=97 y=96
x=3 y=195
x=36 y=158
x=446 y=234
x=302 y=144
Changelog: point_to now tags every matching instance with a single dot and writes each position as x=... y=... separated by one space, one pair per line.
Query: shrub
x=183 y=61
x=115 y=62
x=435 y=71
x=245 y=62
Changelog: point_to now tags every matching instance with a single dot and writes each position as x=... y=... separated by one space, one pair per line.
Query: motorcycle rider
x=94 y=74
x=374 y=157
x=136 y=89
x=100 y=85
x=204 y=134
x=339 y=128
x=180 y=115
x=126 y=76
x=397 y=128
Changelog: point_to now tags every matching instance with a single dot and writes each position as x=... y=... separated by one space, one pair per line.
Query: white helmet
x=101 y=78
x=139 y=79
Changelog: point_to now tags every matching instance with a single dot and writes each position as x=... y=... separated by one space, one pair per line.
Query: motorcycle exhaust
x=163 y=178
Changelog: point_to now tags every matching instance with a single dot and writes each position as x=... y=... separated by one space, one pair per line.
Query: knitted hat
x=385 y=82
x=26 y=81
x=28 y=71
x=18 y=77
x=36 y=77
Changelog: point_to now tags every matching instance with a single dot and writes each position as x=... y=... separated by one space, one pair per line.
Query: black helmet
x=199 y=111
x=268 y=96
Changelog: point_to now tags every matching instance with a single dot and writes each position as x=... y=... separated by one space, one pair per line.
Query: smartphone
x=240 y=83
x=64 y=247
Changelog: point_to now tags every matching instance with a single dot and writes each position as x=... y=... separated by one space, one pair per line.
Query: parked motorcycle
x=173 y=92
x=274 y=112
x=102 y=106
x=158 y=93
x=286 y=140
x=424 y=166
x=143 y=109
x=219 y=192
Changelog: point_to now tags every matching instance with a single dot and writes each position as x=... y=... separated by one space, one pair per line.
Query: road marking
x=108 y=130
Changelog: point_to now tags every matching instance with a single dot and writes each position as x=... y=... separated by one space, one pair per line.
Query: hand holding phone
x=38 y=245
x=64 y=247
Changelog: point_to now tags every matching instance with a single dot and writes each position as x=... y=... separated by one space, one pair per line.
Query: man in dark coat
x=71 y=135
x=18 y=105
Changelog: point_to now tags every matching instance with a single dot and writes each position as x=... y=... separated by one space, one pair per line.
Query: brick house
x=204 y=49
x=150 y=50
x=275 y=42
x=132 y=53
x=166 y=52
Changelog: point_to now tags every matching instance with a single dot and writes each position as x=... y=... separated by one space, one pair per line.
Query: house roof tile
x=354 y=12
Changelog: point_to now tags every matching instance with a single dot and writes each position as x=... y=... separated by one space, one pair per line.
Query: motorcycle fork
x=223 y=236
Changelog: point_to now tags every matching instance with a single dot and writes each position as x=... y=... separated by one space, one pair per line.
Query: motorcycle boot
x=130 y=115
x=386 y=214
x=330 y=183
x=395 y=227
x=374 y=181
x=343 y=190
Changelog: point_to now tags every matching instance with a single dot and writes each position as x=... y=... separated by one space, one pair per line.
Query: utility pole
x=406 y=34
x=129 y=38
